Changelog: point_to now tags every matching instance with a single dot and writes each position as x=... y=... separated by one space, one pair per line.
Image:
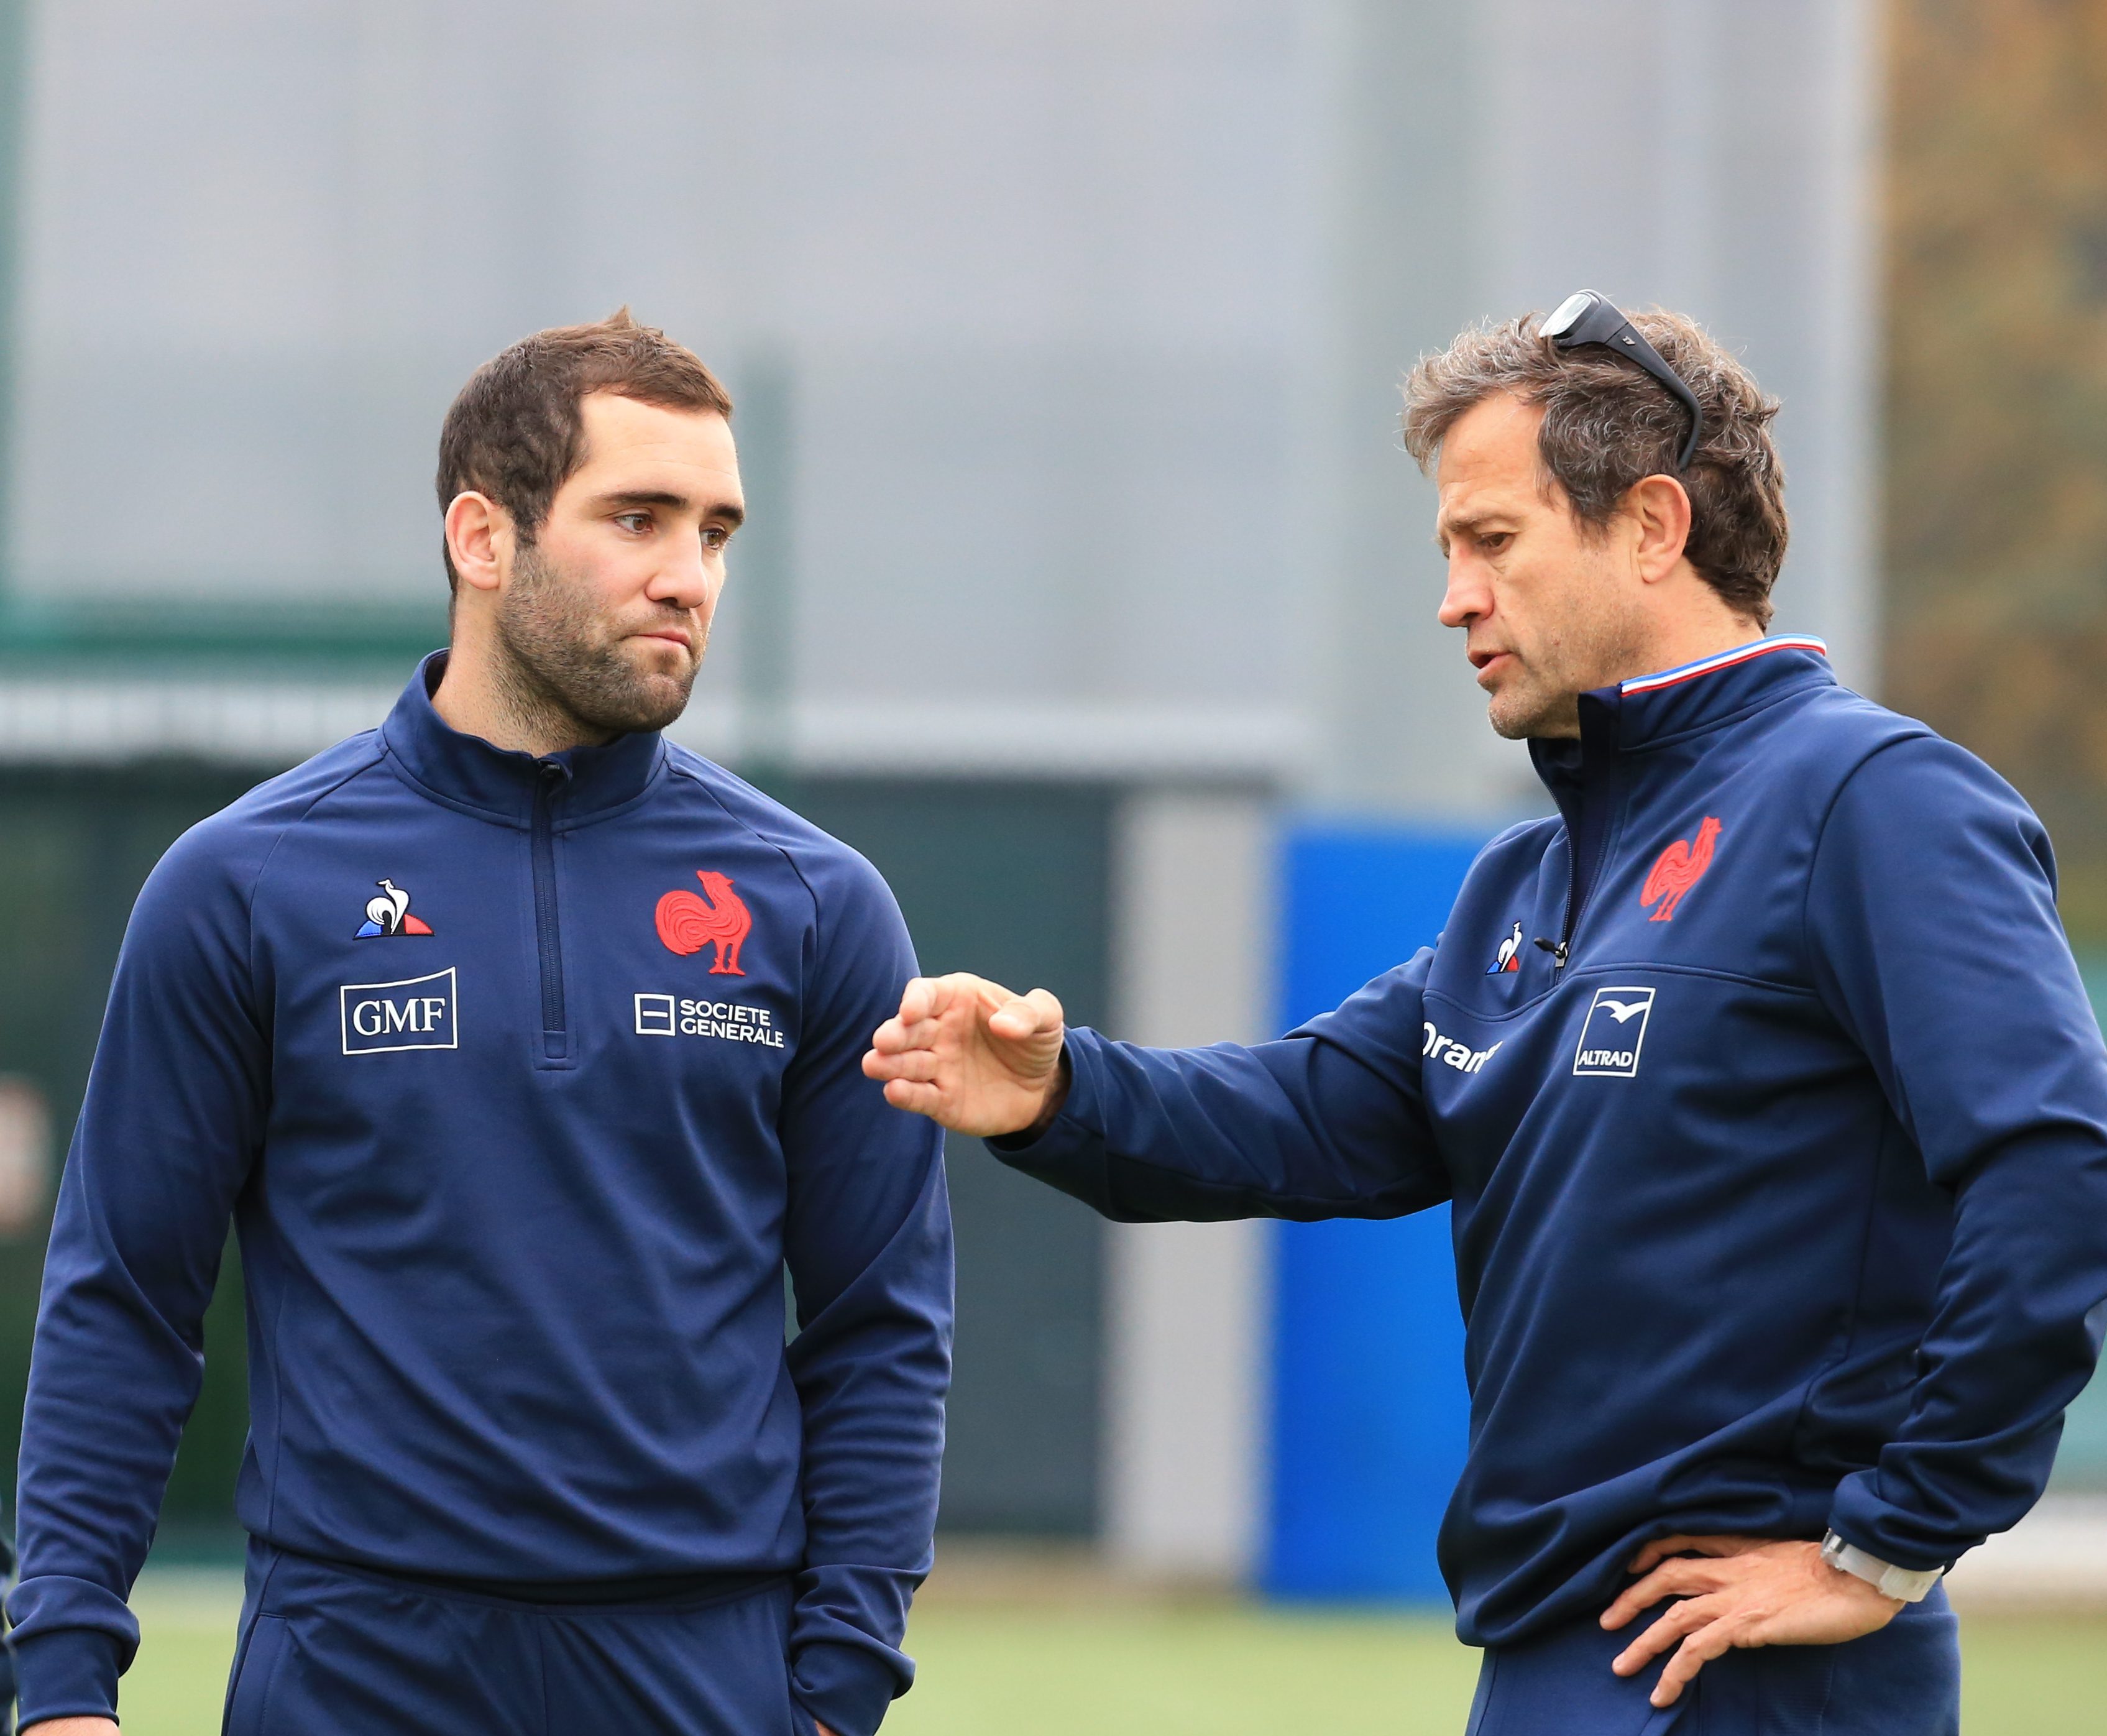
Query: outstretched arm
x=1327 y=1122
x=970 y=1054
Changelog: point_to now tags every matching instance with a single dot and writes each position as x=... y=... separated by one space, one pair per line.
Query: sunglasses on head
x=1589 y=318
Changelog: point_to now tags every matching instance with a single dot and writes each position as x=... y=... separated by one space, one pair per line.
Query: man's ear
x=479 y=540
x=1660 y=506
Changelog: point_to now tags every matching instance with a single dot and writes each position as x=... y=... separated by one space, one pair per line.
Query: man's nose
x=1466 y=600
x=683 y=581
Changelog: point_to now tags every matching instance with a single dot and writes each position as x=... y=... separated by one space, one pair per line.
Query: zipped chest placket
x=1589 y=826
x=548 y=929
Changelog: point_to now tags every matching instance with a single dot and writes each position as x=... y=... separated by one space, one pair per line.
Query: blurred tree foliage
x=1997 y=402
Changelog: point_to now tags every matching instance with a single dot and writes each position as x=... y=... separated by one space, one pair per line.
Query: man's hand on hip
x=1747 y=1591
x=969 y=1054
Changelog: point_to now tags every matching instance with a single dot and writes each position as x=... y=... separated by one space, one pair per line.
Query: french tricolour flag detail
x=1724 y=660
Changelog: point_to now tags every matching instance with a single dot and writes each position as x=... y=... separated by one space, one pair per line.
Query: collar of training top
x=470 y=772
x=1650 y=709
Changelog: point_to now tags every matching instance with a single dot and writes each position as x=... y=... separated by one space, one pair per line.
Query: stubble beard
x=563 y=674
x=1538 y=708
x=1596 y=651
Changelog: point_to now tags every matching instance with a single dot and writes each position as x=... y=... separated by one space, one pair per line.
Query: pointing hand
x=969 y=1054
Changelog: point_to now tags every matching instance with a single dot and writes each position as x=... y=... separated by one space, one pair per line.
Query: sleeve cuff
x=66 y=1672
x=844 y=1686
x=1890 y=1533
x=1071 y=1130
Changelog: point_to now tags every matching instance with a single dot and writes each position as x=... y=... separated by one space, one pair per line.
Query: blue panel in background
x=1359 y=901
x=1369 y=1413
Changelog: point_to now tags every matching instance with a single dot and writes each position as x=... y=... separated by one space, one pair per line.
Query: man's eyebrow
x=1465 y=523
x=1445 y=527
x=724 y=512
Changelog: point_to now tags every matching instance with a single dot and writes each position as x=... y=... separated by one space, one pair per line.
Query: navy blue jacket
x=523 y=1081
x=1780 y=1195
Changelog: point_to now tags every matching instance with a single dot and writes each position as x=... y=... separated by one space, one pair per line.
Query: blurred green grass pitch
x=1170 y=1669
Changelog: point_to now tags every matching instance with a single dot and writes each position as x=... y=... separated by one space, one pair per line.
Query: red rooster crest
x=1681 y=866
x=687 y=923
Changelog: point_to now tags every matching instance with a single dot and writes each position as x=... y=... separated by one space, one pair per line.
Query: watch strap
x=1904 y=1585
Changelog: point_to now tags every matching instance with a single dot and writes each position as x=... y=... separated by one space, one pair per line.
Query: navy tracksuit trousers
x=1904 y=1680
x=327 y=1650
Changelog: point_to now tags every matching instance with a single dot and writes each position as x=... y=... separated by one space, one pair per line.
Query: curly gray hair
x=1608 y=423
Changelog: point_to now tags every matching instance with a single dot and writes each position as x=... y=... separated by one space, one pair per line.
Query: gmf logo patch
x=1613 y=1033
x=417 y=1013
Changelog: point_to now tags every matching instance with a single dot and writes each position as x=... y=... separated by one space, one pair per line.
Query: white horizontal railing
x=279 y=721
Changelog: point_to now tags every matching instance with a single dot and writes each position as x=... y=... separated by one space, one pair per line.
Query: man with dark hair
x=520 y=1046
x=1778 y=1162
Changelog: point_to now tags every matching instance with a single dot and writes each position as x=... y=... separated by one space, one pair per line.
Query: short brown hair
x=515 y=432
x=1608 y=423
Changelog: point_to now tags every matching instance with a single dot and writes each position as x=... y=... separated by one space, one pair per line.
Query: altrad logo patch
x=1613 y=1033
x=719 y=918
x=389 y=914
x=1678 y=868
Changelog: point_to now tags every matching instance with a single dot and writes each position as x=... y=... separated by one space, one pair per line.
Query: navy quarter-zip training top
x=1779 y=1176
x=523 y=1081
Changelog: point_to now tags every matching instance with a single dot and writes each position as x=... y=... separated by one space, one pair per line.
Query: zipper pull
x=1557 y=949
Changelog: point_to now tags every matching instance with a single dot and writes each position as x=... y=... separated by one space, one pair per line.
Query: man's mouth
x=669 y=636
x=1486 y=661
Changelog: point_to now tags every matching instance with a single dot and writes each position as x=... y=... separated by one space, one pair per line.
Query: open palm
x=971 y=1054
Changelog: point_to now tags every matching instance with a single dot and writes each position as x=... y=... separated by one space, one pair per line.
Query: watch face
x=1567 y=315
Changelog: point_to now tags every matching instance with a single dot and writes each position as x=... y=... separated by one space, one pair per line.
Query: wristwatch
x=1905 y=1585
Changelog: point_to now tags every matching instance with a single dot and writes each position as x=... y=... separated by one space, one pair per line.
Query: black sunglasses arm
x=1602 y=323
